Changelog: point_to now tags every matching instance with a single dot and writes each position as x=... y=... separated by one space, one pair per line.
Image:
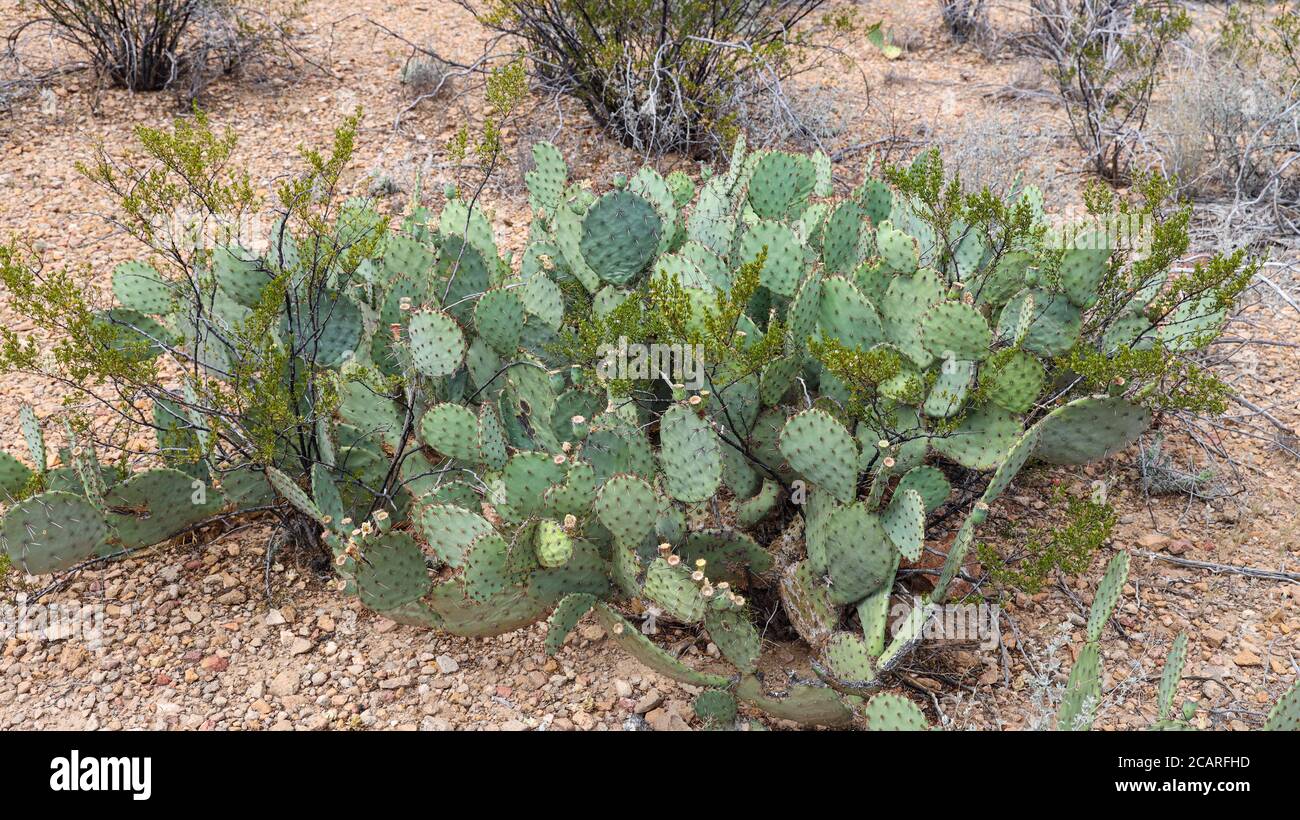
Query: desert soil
x=192 y=641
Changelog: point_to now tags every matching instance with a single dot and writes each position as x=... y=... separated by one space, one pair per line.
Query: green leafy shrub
x=1067 y=548
x=449 y=423
x=670 y=75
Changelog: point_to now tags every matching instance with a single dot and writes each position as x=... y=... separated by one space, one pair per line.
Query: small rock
x=284 y=684
x=300 y=646
x=648 y=702
x=446 y=664
x=1247 y=658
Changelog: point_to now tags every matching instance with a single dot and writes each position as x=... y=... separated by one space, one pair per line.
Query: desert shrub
x=669 y=75
x=151 y=45
x=1066 y=548
x=681 y=401
x=1228 y=129
x=1106 y=57
x=964 y=18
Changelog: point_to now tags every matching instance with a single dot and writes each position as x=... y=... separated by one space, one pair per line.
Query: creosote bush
x=812 y=391
x=671 y=75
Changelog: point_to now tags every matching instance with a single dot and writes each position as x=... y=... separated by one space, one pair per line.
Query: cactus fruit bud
x=674 y=560
x=570 y=521
x=665 y=548
x=697 y=576
x=693 y=400
x=579 y=419
x=700 y=562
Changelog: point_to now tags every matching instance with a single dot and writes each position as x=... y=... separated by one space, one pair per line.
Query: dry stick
x=1249 y=572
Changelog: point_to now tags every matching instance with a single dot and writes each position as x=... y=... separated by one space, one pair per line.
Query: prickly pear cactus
x=795 y=386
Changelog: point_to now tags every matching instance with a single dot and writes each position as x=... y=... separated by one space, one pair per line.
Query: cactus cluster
x=468 y=477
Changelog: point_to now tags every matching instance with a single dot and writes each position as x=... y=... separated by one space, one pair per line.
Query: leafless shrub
x=997 y=151
x=1106 y=57
x=152 y=45
x=1229 y=128
x=965 y=19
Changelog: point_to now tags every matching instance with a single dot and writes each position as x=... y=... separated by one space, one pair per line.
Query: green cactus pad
x=735 y=637
x=543 y=299
x=630 y=639
x=499 y=319
x=1002 y=280
x=391 y=572
x=815 y=705
x=460 y=275
x=1053 y=322
x=781 y=184
x=567 y=226
x=807 y=604
x=449 y=530
x=627 y=507
x=14 y=476
x=1109 y=589
x=437 y=343
x=820 y=448
x=139 y=287
x=689 y=451
x=1010 y=466
x=1172 y=674
x=52 y=531
x=671 y=588
x=842 y=237
x=906 y=302
x=716 y=707
x=1089 y=429
x=846 y=663
x=565 y=618
x=32 y=435
x=1285 y=714
x=1083 y=267
x=554 y=546
x=1014 y=381
x=526 y=478
x=152 y=506
x=982 y=438
x=453 y=431
x=951 y=387
x=289 y=490
x=904 y=522
x=1082 y=691
x=801 y=318
x=859 y=555
x=729 y=555
x=239 y=274
x=574 y=496
x=491 y=438
x=929 y=483
x=620 y=235
x=760 y=506
x=845 y=314
x=547 y=179
x=955 y=330
x=468 y=222
x=888 y=712
x=783 y=267
x=897 y=250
